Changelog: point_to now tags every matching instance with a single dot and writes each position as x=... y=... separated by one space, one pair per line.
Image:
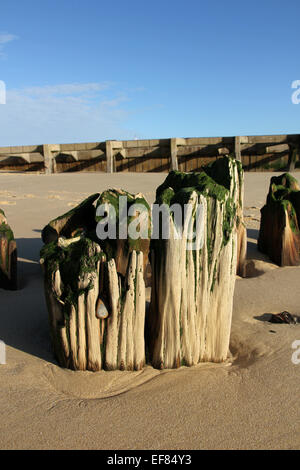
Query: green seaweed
x=6 y=233
x=74 y=263
x=110 y=245
x=213 y=182
x=284 y=190
x=216 y=182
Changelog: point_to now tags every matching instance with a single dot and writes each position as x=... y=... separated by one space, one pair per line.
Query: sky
x=88 y=71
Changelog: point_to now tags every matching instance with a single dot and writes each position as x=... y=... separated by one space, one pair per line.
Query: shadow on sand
x=24 y=317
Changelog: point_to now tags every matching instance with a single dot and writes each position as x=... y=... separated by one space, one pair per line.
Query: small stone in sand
x=284 y=317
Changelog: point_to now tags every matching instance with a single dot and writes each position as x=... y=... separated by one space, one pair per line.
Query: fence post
x=292 y=157
x=237 y=148
x=174 y=160
x=109 y=157
x=50 y=152
x=48 y=159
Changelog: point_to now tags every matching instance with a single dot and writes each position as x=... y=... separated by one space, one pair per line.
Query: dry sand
x=250 y=402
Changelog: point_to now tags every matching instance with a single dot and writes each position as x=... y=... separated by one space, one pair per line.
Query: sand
x=251 y=402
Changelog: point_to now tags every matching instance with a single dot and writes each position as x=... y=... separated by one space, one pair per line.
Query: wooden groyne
x=257 y=153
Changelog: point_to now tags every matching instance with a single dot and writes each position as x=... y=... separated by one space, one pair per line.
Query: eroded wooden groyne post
x=95 y=288
x=94 y=267
x=279 y=234
x=189 y=319
x=8 y=255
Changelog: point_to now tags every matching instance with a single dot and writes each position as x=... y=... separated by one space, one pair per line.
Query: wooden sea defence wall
x=257 y=153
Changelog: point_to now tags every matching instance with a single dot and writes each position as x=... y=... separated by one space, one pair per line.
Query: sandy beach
x=249 y=402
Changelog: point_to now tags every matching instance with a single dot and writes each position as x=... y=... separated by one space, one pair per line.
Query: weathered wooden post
x=237 y=148
x=94 y=285
x=71 y=270
x=8 y=255
x=50 y=152
x=94 y=261
x=80 y=219
x=192 y=286
x=111 y=145
x=127 y=259
x=279 y=234
x=48 y=159
x=293 y=155
x=109 y=157
x=174 y=159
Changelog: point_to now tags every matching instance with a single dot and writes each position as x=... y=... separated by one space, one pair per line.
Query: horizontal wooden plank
x=70 y=147
x=203 y=150
x=27 y=157
x=180 y=141
x=89 y=154
x=150 y=152
x=116 y=144
x=209 y=140
x=266 y=139
x=146 y=143
x=21 y=149
x=277 y=148
x=93 y=145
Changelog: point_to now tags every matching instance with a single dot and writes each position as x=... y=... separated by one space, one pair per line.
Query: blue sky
x=87 y=71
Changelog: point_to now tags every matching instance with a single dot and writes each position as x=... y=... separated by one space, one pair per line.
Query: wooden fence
x=256 y=153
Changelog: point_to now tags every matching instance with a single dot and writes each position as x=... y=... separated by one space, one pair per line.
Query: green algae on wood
x=81 y=217
x=71 y=278
x=120 y=248
x=127 y=259
x=76 y=265
x=217 y=181
x=79 y=273
x=192 y=289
